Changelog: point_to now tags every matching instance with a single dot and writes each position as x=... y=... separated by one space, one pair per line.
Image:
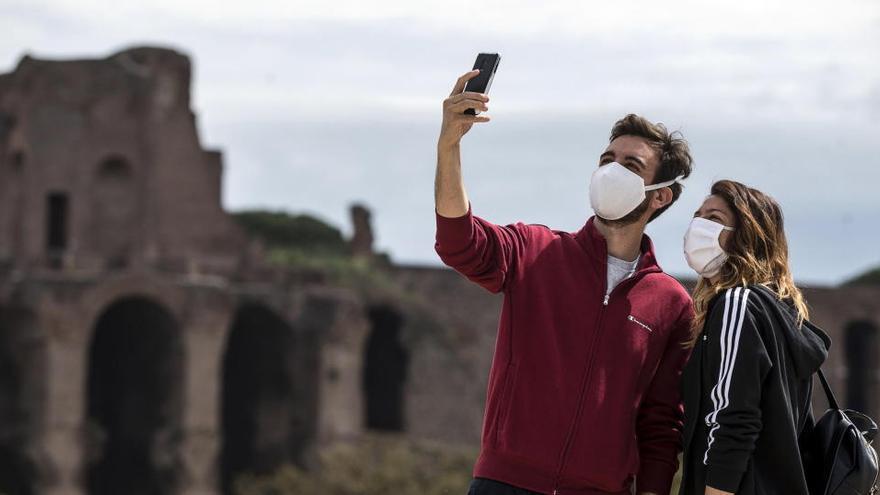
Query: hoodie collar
x=593 y=242
x=808 y=345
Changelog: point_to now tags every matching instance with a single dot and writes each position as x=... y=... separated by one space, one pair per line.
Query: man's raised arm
x=485 y=253
x=450 y=198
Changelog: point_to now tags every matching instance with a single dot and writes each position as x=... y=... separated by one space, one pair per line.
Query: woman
x=747 y=384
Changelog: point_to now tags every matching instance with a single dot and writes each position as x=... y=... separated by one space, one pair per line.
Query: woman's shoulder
x=735 y=302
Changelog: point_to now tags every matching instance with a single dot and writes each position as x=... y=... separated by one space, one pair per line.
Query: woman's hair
x=757 y=252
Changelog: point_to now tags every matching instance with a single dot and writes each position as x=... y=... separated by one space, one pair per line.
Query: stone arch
x=134 y=389
x=114 y=210
x=860 y=338
x=268 y=383
x=23 y=395
x=386 y=363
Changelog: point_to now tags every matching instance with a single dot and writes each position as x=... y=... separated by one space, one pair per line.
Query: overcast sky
x=319 y=104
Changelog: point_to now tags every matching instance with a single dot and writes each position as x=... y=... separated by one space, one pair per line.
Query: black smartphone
x=488 y=64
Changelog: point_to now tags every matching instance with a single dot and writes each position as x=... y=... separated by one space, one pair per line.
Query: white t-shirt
x=619 y=270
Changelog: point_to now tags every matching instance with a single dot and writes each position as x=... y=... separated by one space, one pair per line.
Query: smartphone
x=487 y=63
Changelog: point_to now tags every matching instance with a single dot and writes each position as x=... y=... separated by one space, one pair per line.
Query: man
x=583 y=392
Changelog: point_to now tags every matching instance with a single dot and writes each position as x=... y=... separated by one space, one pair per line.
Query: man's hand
x=715 y=491
x=455 y=122
x=450 y=198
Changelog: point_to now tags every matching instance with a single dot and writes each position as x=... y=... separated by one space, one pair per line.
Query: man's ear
x=662 y=197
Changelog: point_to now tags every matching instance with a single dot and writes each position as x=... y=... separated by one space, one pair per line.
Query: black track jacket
x=746 y=390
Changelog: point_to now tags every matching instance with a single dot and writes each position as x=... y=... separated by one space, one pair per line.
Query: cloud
x=262 y=60
x=505 y=17
x=316 y=104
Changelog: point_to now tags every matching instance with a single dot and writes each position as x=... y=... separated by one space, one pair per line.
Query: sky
x=317 y=105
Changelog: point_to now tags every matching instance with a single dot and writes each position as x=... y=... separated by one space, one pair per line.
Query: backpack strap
x=829 y=395
x=832 y=402
x=805 y=408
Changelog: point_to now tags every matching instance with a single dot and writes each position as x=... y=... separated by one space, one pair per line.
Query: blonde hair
x=757 y=253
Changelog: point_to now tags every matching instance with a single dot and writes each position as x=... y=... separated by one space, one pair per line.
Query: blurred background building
x=153 y=343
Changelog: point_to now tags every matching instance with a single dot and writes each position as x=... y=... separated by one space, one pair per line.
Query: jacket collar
x=593 y=242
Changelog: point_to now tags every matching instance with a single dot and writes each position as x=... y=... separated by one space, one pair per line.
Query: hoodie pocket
x=504 y=399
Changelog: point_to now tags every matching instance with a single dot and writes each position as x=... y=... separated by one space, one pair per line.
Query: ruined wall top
x=83 y=82
x=108 y=151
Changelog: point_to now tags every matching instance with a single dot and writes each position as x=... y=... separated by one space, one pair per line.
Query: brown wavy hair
x=757 y=253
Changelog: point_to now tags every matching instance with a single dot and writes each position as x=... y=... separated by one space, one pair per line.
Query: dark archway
x=114 y=211
x=23 y=380
x=57 y=227
x=134 y=388
x=861 y=384
x=385 y=371
x=17 y=160
x=267 y=416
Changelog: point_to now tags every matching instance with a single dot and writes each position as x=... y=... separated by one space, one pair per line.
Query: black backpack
x=837 y=453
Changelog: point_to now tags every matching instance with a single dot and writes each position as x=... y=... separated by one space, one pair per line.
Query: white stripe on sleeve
x=734 y=315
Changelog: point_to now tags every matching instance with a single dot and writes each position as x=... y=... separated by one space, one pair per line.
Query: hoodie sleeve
x=485 y=253
x=660 y=418
x=737 y=363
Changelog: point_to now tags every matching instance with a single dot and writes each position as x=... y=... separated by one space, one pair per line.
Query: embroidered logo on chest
x=639 y=323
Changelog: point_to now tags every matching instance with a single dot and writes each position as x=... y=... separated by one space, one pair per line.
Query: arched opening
x=861 y=345
x=17 y=161
x=114 y=209
x=23 y=369
x=134 y=388
x=57 y=213
x=385 y=370
x=267 y=416
x=114 y=168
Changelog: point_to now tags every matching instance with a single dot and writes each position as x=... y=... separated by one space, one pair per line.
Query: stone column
x=362 y=238
x=69 y=336
x=205 y=333
x=341 y=355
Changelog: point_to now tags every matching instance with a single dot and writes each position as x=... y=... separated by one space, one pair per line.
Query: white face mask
x=615 y=191
x=702 y=247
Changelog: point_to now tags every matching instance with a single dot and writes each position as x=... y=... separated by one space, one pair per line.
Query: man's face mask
x=615 y=191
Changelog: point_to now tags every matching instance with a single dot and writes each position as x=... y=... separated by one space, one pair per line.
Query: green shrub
x=375 y=465
x=305 y=233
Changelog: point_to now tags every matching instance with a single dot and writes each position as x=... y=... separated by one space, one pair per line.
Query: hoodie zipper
x=585 y=379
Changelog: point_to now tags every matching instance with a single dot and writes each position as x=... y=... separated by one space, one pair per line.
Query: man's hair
x=675 y=156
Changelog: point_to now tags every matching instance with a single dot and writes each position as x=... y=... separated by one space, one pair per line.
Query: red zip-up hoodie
x=583 y=394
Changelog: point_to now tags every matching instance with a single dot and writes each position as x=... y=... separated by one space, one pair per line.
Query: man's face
x=639 y=157
x=635 y=154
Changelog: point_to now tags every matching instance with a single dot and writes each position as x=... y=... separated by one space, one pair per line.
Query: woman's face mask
x=702 y=246
x=615 y=191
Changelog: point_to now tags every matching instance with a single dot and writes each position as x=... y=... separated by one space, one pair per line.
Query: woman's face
x=716 y=209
